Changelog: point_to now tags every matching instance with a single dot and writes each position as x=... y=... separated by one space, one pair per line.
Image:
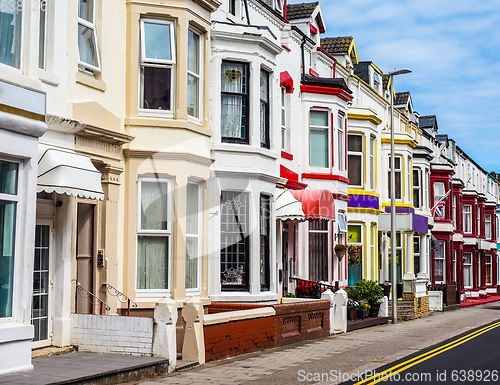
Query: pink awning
x=316 y=204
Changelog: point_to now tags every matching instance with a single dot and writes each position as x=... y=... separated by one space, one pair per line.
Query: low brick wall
x=219 y=307
x=112 y=334
x=300 y=321
x=229 y=334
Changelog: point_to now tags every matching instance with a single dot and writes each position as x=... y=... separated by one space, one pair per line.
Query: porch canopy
x=287 y=207
x=66 y=172
x=316 y=204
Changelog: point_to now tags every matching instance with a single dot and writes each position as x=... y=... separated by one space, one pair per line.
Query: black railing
x=311 y=289
x=118 y=294
x=84 y=293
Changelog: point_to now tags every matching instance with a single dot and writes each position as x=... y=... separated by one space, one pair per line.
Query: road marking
x=423 y=357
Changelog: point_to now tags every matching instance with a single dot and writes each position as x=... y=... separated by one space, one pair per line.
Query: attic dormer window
x=376 y=82
x=278 y=5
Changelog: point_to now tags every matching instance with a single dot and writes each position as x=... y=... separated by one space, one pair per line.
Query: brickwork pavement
x=360 y=350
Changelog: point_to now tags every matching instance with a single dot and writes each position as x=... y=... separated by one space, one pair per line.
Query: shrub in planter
x=369 y=291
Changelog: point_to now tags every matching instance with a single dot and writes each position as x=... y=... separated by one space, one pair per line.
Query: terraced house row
x=208 y=156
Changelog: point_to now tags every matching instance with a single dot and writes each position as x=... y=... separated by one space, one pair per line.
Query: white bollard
x=383 y=311
x=340 y=311
x=329 y=296
x=164 y=333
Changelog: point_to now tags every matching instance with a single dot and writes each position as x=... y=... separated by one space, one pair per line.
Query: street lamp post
x=393 y=200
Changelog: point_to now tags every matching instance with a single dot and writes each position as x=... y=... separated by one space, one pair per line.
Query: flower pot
x=374 y=308
x=340 y=254
x=352 y=313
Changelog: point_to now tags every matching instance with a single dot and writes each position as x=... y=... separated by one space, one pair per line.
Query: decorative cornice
x=183 y=156
x=325 y=176
x=342 y=94
x=250 y=175
x=369 y=117
x=209 y=5
x=363 y=210
x=250 y=38
x=407 y=142
x=105 y=135
x=398 y=204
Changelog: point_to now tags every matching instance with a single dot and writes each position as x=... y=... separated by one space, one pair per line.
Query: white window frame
x=469 y=264
x=283 y=120
x=376 y=81
x=488 y=263
x=341 y=141
x=14 y=7
x=14 y=198
x=454 y=210
x=147 y=293
x=360 y=154
x=417 y=187
x=42 y=9
x=144 y=62
x=409 y=178
x=328 y=138
x=417 y=252
x=90 y=25
x=442 y=245
x=197 y=76
x=196 y=290
x=478 y=220
x=487 y=226
x=467 y=218
x=373 y=254
x=454 y=265
x=396 y=171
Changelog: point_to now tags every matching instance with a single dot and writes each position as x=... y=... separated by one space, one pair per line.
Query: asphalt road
x=470 y=358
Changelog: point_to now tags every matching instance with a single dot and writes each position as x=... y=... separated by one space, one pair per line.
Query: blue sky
x=453 y=49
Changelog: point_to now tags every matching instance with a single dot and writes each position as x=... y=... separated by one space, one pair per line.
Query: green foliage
x=369 y=291
x=289 y=295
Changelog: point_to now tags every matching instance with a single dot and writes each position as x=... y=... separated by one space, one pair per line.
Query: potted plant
x=371 y=292
x=363 y=309
x=354 y=252
x=352 y=309
x=340 y=251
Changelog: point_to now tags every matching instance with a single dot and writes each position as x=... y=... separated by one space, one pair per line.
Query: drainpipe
x=246 y=11
x=302 y=46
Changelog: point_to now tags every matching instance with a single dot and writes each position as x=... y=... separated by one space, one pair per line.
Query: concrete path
x=355 y=352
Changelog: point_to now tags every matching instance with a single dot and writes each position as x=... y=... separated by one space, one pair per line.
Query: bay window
x=417 y=188
x=193 y=237
x=11 y=17
x=234 y=241
x=398 y=170
x=341 y=142
x=487 y=226
x=355 y=159
x=467 y=218
x=468 y=269
x=9 y=174
x=264 y=109
x=416 y=254
x=439 y=192
x=194 y=73
x=318 y=139
x=478 y=221
x=439 y=256
x=283 y=119
x=318 y=250
x=373 y=172
x=154 y=231
x=157 y=64
x=87 y=38
x=234 y=102
x=487 y=270
x=41 y=34
x=454 y=211
x=265 y=242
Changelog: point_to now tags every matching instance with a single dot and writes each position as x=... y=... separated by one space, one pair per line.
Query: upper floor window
x=478 y=221
x=454 y=211
x=9 y=174
x=42 y=34
x=157 y=64
x=283 y=119
x=372 y=163
x=11 y=17
x=194 y=74
x=398 y=171
x=264 y=109
x=341 y=142
x=439 y=191
x=87 y=39
x=417 y=188
x=234 y=102
x=232 y=7
x=487 y=226
x=318 y=139
x=467 y=218
x=355 y=159
x=376 y=81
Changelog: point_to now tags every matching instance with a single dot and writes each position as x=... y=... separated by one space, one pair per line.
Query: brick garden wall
x=218 y=307
x=232 y=338
x=112 y=334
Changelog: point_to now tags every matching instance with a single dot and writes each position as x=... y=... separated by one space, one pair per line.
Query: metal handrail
x=118 y=294
x=311 y=289
x=91 y=298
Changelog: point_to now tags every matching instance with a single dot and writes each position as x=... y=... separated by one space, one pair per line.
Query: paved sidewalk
x=361 y=350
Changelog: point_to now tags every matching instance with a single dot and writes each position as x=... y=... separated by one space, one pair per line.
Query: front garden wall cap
x=316 y=204
x=66 y=172
x=288 y=208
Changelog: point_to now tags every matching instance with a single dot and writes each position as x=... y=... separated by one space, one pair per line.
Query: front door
x=84 y=258
x=40 y=313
